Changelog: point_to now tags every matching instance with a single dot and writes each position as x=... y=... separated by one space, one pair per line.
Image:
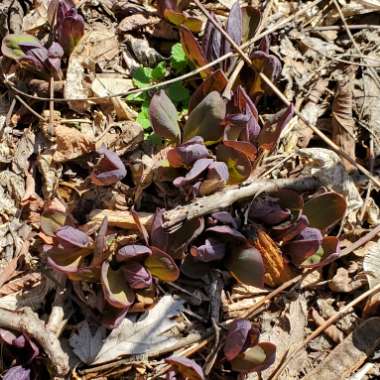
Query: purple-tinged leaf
x=69 y=27
x=251 y=18
x=63 y=260
x=133 y=252
x=109 y=170
x=136 y=275
x=15 y=46
x=100 y=244
x=270 y=133
x=267 y=210
x=162 y=266
x=246 y=265
x=193 y=52
x=289 y=199
x=196 y=171
x=174 y=242
x=288 y=230
x=112 y=316
x=187 y=153
x=244 y=147
x=188 y=368
x=227 y=233
x=29 y=349
x=212 y=41
x=238 y=336
x=234 y=27
x=163 y=116
x=163 y=5
x=217 y=178
x=325 y=210
x=36 y=58
x=244 y=103
x=211 y=250
x=17 y=373
x=206 y=118
x=55 y=54
x=225 y=217
x=171 y=375
x=306 y=244
x=238 y=119
x=7 y=336
x=217 y=81
x=255 y=359
x=239 y=166
x=327 y=253
x=194 y=269
x=115 y=287
x=70 y=237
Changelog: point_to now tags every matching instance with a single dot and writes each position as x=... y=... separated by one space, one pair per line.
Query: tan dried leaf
x=71 y=144
x=343 y=125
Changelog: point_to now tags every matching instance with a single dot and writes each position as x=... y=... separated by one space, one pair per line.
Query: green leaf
x=178 y=93
x=143 y=117
x=12 y=45
x=142 y=77
x=138 y=98
x=159 y=71
x=178 y=59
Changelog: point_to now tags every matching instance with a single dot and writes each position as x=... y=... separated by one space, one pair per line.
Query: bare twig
x=27 y=321
x=228 y=196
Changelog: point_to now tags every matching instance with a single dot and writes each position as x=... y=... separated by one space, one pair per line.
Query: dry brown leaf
x=95 y=48
x=24 y=282
x=277 y=270
x=343 y=125
x=71 y=143
x=136 y=21
x=121 y=219
x=342 y=282
x=7 y=272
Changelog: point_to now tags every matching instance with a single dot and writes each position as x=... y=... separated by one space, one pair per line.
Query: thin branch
x=27 y=321
x=228 y=196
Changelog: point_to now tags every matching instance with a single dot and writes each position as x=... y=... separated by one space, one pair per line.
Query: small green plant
x=177 y=92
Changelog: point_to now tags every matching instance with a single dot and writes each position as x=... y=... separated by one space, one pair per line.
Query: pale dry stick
x=282 y=97
x=324 y=326
x=190 y=74
x=26 y=321
x=230 y=195
x=341 y=27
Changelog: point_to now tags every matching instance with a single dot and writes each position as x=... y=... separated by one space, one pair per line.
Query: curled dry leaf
x=71 y=143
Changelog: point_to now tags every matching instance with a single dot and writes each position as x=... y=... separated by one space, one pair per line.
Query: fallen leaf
x=133 y=337
x=71 y=143
x=85 y=344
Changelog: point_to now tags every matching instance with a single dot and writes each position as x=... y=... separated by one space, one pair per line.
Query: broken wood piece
x=350 y=354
